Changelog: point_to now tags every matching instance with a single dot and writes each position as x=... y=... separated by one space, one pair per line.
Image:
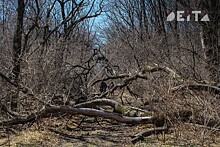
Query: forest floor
x=60 y=132
x=78 y=130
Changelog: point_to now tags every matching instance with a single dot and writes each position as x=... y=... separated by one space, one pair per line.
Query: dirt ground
x=83 y=131
x=94 y=132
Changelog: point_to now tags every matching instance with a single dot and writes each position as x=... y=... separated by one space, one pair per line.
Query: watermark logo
x=193 y=16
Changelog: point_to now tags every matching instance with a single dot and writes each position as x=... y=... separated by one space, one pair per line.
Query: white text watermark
x=193 y=16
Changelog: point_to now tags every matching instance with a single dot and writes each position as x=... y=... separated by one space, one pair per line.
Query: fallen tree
x=120 y=113
x=47 y=111
x=118 y=108
x=90 y=109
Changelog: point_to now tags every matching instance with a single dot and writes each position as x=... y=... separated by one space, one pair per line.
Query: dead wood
x=198 y=87
x=142 y=74
x=46 y=112
x=145 y=133
x=3 y=76
x=22 y=88
x=165 y=69
x=128 y=80
x=119 y=76
x=4 y=108
x=97 y=102
x=118 y=108
x=207 y=122
x=65 y=135
x=105 y=102
x=189 y=116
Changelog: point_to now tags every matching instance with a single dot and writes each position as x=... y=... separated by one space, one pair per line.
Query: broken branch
x=145 y=133
x=200 y=87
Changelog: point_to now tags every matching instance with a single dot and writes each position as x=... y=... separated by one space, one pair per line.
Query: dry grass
x=64 y=132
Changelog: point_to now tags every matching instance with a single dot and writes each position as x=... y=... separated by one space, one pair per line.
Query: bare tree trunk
x=3 y=16
x=62 y=9
x=211 y=39
x=17 y=45
x=212 y=54
x=146 y=23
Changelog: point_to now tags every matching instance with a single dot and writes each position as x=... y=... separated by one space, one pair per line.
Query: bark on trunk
x=212 y=53
x=211 y=39
x=17 y=51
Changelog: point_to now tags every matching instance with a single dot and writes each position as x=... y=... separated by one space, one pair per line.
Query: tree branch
x=199 y=87
x=7 y=79
x=145 y=133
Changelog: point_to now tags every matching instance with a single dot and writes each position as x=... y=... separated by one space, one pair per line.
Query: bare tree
x=17 y=50
x=210 y=37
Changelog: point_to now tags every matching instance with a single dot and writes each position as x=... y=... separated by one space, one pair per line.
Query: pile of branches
x=120 y=112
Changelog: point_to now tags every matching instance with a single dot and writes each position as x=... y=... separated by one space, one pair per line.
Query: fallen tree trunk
x=165 y=69
x=118 y=108
x=97 y=102
x=46 y=112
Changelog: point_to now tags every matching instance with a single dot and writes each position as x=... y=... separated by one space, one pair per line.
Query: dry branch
x=7 y=79
x=145 y=133
x=120 y=76
x=188 y=115
x=199 y=87
x=104 y=102
x=118 y=108
x=23 y=89
x=86 y=110
x=207 y=122
x=142 y=74
x=46 y=112
x=97 y=102
x=4 y=108
x=128 y=80
x=165 y=69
